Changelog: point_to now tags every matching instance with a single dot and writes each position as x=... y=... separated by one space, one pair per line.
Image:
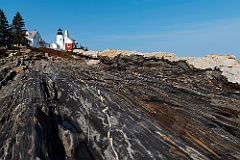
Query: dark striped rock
x=131 y=108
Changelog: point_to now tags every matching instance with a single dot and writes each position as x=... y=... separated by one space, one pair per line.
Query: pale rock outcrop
x=113 y=53
x=228 y=64
x=91 y=54
x=93 y=62
x=161 y=55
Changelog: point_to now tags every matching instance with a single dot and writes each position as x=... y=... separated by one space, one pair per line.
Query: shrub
x=51 y=52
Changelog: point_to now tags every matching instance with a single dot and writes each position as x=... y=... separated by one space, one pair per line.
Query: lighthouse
x=60 y=40
x=64 y=42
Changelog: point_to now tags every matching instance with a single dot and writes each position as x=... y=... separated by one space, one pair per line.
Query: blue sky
x=184 y=27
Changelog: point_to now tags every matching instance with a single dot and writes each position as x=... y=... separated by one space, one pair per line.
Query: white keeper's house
x=35 y=39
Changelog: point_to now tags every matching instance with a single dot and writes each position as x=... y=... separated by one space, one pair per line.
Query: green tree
x=18 y=31
x=5 y=30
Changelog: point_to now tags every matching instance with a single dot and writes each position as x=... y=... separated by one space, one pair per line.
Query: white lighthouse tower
x=60 y=40
x=64 y=42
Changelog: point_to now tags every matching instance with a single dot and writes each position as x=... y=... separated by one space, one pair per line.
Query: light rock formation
x=228 y=64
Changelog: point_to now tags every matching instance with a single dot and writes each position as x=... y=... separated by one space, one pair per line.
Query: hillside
x=119 y=105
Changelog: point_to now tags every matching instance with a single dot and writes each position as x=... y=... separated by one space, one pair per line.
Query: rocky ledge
x=119 y=105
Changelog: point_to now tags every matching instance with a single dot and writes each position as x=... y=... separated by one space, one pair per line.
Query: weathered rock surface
x=128 y=106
